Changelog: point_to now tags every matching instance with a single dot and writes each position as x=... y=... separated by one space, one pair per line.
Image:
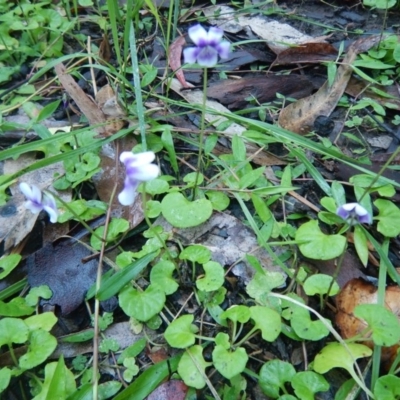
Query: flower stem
x=202 y=128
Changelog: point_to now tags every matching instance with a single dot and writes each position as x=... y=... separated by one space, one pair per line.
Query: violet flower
x=37 y=202
x=354 y=213
x=138 y=169
x=209 y=45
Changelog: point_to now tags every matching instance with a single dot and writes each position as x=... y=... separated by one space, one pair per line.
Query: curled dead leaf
x=299 y=117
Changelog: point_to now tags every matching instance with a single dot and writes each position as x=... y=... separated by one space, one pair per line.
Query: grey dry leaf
x=229 y=240
x=278 y=36
x=299 y=117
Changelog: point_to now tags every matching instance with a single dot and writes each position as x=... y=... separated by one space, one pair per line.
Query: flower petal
x=223 y=49
x=32 y=192
x=127 y=196
x=126 y=156
x=214 y=36
x=34 y=208
x=208 y=57
x=130 y=159
x=350 y=206
x=198 y=35
x=190 y=55
x=50 y=206
x=365 y=219
x=53 y=214
x=143 y=173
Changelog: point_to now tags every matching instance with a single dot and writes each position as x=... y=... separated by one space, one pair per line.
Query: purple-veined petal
x=126 y=157
x=34 y=208
x=32 y=193
x=190 y=55
x=214 y=36
x=208 y=57
x=143 y=173
x=127 y=196
x=224 y=49
x=198 y=35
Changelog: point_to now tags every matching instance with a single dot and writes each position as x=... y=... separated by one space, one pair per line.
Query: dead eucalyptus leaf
x=88 y=107
x=174 y=60
x=107 y=125
x=299 y=117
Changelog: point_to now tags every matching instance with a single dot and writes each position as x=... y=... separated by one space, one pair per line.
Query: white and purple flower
x=354 y=213
x=138 y=169
x=209 y=45
x=37 y=202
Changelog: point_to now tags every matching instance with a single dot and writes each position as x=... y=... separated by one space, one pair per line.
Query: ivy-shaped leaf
x=13 y=330
x=192 y=367
x=388 y=218
x=196 y=253
x=44 y=321
x=384 y=324
x=237 y=313
x=314 y=244
x=182 y=213
x=214 y=278
x=142 y=305
x=41 y=346
x=229 y=363
x=181 y=333
x=335 y=355
x=273 y=376
x=161 y=274
x=320 y=284
x=387 y=388
x=305 y=327
x=267 y=320
x=307 y=383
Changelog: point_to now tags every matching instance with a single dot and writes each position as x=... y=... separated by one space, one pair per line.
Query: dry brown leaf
x=174 y=60
x=105 y=180
x=299 y=117
x=88 y=107
x=306 y=53
x=356 y=292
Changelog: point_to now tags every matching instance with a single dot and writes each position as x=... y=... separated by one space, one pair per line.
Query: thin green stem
x=336 y=273
x=202 y=128
x=376 y=356
x=96 y=316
